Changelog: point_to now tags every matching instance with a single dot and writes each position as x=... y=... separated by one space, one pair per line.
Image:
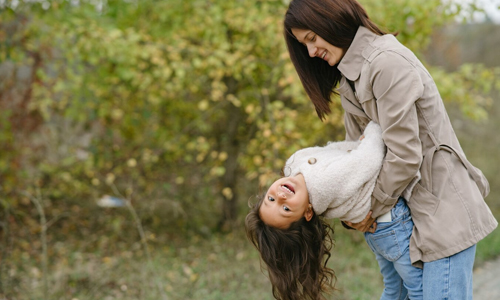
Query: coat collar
x=360 y=49
x=349 y=100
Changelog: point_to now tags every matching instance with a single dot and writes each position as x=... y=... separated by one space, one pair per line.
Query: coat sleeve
x=352 y=130
x=396 y=87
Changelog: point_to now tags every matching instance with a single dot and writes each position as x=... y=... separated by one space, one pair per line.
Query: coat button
x=312 y=161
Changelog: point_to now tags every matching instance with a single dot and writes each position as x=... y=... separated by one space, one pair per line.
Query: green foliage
x=138 y=103
x=142 y=95
x=413 y=20
x=131 y=82
x=470 y=86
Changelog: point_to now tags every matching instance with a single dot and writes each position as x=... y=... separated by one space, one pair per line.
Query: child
x=334 y=181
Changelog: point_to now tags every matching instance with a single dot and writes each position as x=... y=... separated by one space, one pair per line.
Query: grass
x=221 y=267
x=218 y=268
x=489 y=247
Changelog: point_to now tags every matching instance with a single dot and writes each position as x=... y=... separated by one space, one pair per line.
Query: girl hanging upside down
x=335 y=181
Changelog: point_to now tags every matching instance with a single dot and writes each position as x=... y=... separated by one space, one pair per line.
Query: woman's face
x=286 y=201
x=318 y=47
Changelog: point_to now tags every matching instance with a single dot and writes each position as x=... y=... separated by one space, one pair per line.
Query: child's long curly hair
x=296 y=257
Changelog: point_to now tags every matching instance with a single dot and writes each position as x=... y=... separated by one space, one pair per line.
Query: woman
x=334 y=45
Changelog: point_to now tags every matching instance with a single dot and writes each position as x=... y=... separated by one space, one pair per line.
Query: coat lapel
x=349 y=100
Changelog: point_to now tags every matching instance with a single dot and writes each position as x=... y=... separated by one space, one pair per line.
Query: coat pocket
x=423 y=206
x=439 y=223
x=446 y=205
x=423 y=203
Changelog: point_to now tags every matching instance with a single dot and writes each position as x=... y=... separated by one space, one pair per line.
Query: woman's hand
x=367 y=225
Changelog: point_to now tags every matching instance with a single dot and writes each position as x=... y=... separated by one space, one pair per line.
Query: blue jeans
x=450 y=277
x=391 y=245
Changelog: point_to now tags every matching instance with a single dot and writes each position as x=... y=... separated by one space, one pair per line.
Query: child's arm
x=371 y=141
x=342 y=177
x=343 y=145
x=368 y=156
x=359 y=165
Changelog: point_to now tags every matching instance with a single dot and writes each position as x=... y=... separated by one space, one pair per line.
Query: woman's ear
x=309 y=213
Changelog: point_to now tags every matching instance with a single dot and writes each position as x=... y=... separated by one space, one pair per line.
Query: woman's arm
x=396 y=86
x=367 y=225
x=353 y=132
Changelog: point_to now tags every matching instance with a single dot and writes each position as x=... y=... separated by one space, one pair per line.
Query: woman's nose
x=312 y=50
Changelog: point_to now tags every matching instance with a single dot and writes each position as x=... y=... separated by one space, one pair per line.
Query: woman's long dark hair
x=296 y=257
x=336 y=21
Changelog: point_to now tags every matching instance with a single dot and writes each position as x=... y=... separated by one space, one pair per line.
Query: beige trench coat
x=393 y=88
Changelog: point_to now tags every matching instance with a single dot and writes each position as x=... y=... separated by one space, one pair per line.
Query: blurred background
x=134 y=133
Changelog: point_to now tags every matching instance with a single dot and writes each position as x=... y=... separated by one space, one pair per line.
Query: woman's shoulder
x=387 y=56
x=387 y=42
x=387 y=50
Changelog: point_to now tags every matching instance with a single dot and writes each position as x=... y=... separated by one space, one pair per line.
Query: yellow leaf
x=228 y=193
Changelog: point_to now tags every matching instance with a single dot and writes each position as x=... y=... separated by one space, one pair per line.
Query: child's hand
x=361 y=137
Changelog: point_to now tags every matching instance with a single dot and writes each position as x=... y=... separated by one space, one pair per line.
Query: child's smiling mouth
x=288 y=188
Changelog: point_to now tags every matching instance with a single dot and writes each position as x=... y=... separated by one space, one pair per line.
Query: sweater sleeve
x=343 y=145
x=341 y=178
x=371 y=150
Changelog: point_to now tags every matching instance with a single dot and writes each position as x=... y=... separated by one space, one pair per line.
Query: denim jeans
x=450 y=277
x=391 y=245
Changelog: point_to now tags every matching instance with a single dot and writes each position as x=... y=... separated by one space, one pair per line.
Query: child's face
x=286 y=201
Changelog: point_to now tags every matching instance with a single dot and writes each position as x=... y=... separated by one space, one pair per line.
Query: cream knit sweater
x=340 y=177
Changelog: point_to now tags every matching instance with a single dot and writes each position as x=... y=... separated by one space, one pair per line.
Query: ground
x=487 y=281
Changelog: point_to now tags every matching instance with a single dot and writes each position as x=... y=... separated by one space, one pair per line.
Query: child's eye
x=286 y=208
x=270 y=198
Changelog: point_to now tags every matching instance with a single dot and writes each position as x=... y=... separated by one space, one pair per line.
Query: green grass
x=222 y=267
x=488 y=248
x=217 y=267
